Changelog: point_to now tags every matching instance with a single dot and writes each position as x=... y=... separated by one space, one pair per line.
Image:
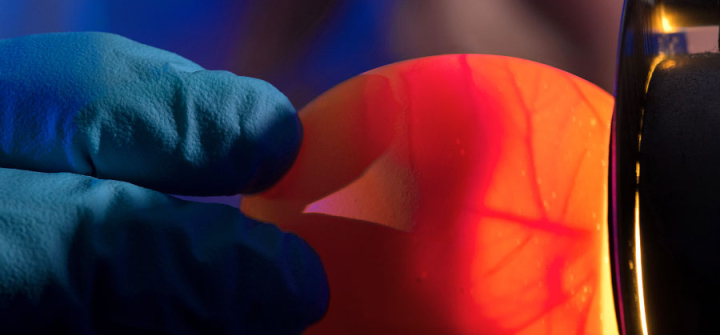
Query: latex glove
x=83 y=255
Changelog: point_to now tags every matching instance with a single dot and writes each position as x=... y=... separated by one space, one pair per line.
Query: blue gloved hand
x=93 y=127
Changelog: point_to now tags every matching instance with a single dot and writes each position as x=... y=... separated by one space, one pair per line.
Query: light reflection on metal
x=659 y=58
x=638 y=266
x=638 y=255
x=668 y=64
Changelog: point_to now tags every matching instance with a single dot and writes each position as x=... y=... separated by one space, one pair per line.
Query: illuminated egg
x=459 y=194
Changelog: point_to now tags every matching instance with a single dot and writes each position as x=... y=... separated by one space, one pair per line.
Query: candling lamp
x=663 y=213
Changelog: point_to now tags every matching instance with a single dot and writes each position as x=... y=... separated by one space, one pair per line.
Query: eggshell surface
x=456 y=194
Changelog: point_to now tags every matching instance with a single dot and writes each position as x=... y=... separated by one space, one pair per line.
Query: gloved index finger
x=102 y=105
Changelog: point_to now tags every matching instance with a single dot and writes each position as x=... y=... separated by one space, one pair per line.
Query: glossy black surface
x=680 y=196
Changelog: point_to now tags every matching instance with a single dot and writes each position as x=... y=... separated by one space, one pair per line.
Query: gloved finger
x=102 y=105
x=80 y=255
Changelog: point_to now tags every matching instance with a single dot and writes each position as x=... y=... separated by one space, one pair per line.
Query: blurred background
x=305 y=47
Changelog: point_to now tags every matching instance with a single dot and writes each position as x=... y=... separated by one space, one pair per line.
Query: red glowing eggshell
x=459 y=194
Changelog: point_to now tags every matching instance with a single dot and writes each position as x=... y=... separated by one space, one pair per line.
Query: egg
x=455 y=194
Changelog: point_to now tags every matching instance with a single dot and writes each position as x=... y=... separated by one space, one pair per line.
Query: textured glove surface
x=102 y=105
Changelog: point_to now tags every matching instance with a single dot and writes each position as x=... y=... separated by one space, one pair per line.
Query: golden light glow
x=668 y=64
x=665 y=24
x=638 y=267
x=667 y=27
